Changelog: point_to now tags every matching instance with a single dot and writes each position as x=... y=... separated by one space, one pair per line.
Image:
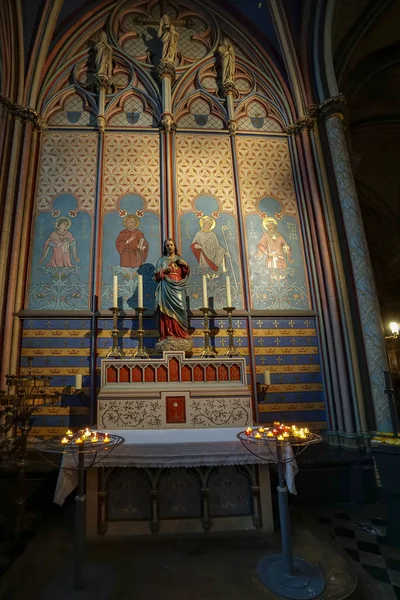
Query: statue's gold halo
x=268 y=220
x=205 y=219
x=134 y=217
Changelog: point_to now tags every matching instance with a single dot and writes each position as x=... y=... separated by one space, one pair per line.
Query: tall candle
x=78 y=382
x=115 y=291
x=223 y=265
x=205 y=296
x=228 y=292
x=140 y=291
x=267 y=378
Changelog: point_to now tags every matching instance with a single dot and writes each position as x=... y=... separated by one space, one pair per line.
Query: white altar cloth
x=173 y=448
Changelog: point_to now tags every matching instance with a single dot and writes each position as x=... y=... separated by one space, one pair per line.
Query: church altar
x=171 y=481
x=174 y=392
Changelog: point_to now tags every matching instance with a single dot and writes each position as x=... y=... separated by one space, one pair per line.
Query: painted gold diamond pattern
x=265 y=170
x=131 y=166
x=67 y=166
x=204 y=167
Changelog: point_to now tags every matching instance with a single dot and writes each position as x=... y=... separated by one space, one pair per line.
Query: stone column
x=332 y=112
x=166 y=72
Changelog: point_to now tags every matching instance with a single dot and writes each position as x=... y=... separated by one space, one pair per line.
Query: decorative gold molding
x=24 y=114
x=304 y=123
x=336 y=105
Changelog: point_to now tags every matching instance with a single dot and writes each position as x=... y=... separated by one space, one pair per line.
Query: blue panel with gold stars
x=288 y=348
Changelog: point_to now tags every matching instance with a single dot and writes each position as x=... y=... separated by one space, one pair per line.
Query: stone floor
x=206 y=567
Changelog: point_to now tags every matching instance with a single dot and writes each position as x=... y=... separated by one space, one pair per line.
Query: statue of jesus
x=171 y=274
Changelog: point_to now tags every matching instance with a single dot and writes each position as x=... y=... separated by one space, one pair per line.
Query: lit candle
x=69 y=433
x=267 y=380
x=249 y=431
x=258 y=435
x=270 y=434
x=286 y=435
x=205 y=295
x=140 y=291
x=115 y=291
x=261 y=429
x=78 y=441
x=228 y=292
x=78 y=381
x=280 y=437
x=94 y=439
x=65 y=440
x=106 y=438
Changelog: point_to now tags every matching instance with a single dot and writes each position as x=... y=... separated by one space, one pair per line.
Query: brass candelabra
x=116 y=351
x=141 y=350
x=24 y=396
x=232 y=350
x=209 y=351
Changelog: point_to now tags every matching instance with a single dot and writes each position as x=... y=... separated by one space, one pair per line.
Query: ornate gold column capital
x=166 y=69
x=302 y=124
x=167 y=123
x=336 y=105
x=229 y=87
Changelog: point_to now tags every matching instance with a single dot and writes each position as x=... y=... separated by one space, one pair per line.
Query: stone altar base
x=174 y=392
x=132 y=501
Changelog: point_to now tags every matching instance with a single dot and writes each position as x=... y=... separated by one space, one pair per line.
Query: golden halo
x=205 y=219
x=134 y=217
x=267 y=221
x=61 y=219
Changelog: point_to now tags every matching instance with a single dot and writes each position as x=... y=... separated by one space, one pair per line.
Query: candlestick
x=205 y=295
x=78 y=381
x=116 y=351
x=140 y=291
x=232 y=350
x=228 y=291
x=141 y=350
x=267 y=377
x=209 y=351
x=115 y=290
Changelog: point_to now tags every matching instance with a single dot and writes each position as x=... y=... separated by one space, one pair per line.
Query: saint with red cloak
x=273 y=246
x=61 y=243
x=131 y=244
x=206 y=247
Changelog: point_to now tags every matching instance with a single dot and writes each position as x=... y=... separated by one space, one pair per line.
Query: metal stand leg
x=80 y=521
x=283 y=574
x=84 y=582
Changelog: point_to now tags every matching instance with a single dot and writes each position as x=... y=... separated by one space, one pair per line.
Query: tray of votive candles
x=279 y=434
x=84 y=440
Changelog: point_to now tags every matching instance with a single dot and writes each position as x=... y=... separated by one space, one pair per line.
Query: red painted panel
x=112 y=374
x=173 y=366
x=235 y=373
x=124 y=374
x=186 y=373
x=137 y=374
x=211 y=373
x=149 y=374
x=176 y=410
x=162 y=374
x=223 y=373
x=198 y=373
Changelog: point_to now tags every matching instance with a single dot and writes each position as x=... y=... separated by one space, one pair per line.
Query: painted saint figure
x=171 y=274
x=169 y=39
x=273 y=246
x=206 y=247
x=131 y=244
x=228 y=67
x=61 y=243
x=103 y=57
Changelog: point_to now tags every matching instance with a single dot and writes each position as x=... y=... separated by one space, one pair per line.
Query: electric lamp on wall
x=394 y=328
